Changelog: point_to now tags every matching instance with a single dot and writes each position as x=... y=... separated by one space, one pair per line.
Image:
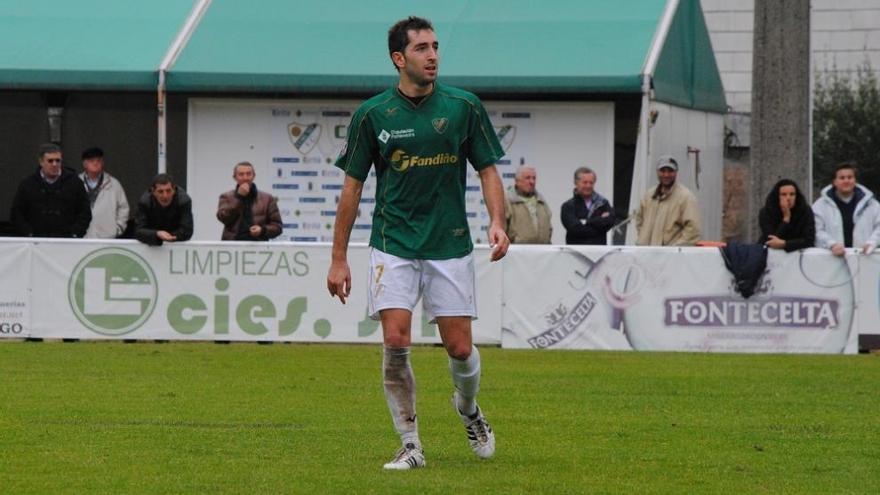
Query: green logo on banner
x=112 y=291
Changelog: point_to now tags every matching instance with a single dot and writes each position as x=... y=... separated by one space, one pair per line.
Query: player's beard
x=417 y=77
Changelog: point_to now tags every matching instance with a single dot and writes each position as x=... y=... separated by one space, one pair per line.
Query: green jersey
x=420 y=154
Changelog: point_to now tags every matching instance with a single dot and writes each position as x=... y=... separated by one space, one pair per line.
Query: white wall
x=556 y=138
x=845 y=34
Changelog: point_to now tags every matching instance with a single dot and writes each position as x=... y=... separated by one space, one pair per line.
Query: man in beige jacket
x=668 y=215
x=527 y=216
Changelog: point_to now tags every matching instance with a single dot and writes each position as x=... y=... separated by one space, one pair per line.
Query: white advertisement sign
x=216 y=291
x=15 y=300
x=542 y=297
x=678 y=300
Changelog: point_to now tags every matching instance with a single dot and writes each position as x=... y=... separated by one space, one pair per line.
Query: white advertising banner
x=216 y=291
x=544 y=297
x=15 y=294
x=677 y=300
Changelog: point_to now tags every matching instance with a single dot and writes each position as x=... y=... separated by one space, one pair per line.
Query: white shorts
x=397 y=283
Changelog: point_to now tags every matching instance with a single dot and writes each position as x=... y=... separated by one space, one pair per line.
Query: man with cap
x=106 y=197
x=668 y=214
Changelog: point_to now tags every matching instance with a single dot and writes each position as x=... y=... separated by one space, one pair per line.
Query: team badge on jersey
x=304 y=137
x=440 y=124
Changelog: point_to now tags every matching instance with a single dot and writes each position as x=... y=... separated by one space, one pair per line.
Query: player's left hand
x=499 y=242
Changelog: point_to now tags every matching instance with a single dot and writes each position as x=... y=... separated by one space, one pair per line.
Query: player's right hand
x=339 y=280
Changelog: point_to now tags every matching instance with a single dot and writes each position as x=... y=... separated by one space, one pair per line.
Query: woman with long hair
x=786 y=219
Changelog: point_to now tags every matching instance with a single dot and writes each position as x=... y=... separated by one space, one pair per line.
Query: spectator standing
x=846 y=214
x=164 y=213
x=527 y=216
x=51 y=202
x=587 y=216
x=668 y=214
x=109 y=206
x=246 y=213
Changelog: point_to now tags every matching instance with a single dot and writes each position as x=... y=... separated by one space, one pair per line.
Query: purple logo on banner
x=780 y=312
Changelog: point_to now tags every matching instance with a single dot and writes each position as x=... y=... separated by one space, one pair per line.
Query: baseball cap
x=667 y=162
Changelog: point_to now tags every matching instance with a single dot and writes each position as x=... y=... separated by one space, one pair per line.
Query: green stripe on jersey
x=420 y=154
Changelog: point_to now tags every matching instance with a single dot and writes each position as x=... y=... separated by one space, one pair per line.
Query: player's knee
x=397 y=339
x=460 y=351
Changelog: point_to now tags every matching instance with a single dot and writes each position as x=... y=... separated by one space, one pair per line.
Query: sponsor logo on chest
x=385 y=136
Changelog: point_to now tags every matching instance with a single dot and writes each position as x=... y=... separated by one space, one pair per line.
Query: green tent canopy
x=86 y=44
x=339 y=47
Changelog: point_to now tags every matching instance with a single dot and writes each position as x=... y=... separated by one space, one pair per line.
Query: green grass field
x=244 y=418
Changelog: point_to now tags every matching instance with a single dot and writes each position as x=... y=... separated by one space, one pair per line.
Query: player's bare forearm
x=493 y=196
x=339 y=274
x=346 y=212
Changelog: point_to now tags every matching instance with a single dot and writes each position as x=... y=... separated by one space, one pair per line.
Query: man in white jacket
x=106 y=196
x=847 y=214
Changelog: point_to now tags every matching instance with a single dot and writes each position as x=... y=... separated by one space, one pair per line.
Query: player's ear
x=398 y=59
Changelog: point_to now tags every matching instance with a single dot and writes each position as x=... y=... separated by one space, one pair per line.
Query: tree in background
x=846 y=126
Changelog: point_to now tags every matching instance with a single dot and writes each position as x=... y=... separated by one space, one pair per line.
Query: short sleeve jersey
x=420 y=153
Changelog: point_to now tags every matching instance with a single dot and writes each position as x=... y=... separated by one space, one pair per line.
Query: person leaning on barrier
x=526 y=214
x=846 y=214
x=587 y=216
x=246 y=213
x=668 y=214
x=164 y=213
x=109 y=205
x=786 y=219
x=51 y=202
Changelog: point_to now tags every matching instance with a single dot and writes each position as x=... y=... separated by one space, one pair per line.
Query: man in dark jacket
x=587 y=216
x=52 y=202
x=246 y=213
x=164 y=213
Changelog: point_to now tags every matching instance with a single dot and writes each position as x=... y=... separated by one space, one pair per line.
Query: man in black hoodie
x=52 y=202
x=164 y=213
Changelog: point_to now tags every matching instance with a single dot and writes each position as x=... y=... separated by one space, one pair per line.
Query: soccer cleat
x=479 y=432
x=408 y=457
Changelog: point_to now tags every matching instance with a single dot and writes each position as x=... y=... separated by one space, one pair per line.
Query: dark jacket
x=747 y=263
x=800 y=230
x=176 y=218
x=584 y=226
x=60 y=209
x=263 y=212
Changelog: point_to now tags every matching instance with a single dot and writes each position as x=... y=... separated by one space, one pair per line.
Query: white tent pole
x=180 y=41
x=659 y=38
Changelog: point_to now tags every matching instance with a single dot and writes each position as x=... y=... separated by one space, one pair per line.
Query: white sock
x=466 y=378
x=400 y=393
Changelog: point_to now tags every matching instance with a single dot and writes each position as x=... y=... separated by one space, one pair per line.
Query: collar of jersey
x=408 y=101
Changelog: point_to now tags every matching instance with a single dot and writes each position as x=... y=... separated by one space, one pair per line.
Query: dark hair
x=771 y=204
x=584 y=170
x=161 y=179
x=398 y=34
x=92 y=153
x=48 y=148
x=851 y=165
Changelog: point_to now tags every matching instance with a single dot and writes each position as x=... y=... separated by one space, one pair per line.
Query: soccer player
x=419 y=136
